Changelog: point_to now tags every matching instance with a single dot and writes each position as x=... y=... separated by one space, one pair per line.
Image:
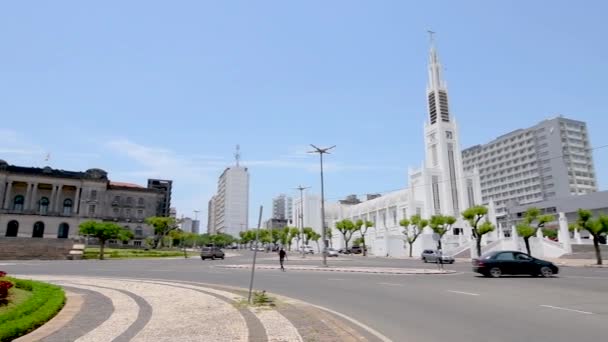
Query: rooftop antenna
x=237 y=155
x=431 y=36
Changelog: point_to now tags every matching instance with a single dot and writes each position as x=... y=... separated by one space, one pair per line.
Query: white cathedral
x=439 y=187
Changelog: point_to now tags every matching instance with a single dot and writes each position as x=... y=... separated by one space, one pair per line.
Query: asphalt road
x=456 y=307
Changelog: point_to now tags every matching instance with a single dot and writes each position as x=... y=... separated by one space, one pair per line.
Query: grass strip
x=46 y=300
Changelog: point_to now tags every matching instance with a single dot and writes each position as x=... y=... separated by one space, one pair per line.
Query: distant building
x=51 y=203
x=282 y=207
x=165 y=186
x=211 y=216
x=275 y=223
x=350 y=199
x=173 y=212
x=186 y=225
x=311 y=213
x=196 y=227
x=549 y=160
x=231 y=202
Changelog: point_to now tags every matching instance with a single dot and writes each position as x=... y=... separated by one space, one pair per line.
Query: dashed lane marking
x=464 y=293
x=566 y=309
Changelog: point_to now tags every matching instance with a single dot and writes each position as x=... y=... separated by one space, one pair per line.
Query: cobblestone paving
x=159 y=310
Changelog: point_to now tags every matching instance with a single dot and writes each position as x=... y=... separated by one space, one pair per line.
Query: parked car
x=212 y=253
x=344 y=251
x=307 y=249
x=260 y=248
x=429 y=255
x=331 y=252
x=356 y=249
x=495 y=264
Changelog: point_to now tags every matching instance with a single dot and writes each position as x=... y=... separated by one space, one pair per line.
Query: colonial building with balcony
x=50 y=203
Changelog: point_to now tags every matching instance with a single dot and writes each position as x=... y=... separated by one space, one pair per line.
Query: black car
x=356 y=250
x=212 y=253
x=495 y=264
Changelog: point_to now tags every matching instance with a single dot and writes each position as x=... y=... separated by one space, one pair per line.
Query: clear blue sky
x=167 y=89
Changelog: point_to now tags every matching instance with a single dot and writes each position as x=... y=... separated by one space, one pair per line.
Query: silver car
x=332 y=252
x=429 y=255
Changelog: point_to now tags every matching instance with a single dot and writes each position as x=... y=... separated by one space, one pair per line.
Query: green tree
x=308 y=234
x=276 y=236
x=474 y=215
x=440 y=225
x=316 y=237
x=294 y=233
x=347 y=228
x=528 y=228
x=162 y=227
x=362 y=227
x=104 y=231
x=412 y=229
x=285 y=237
x=329 y=236
x=595 y=227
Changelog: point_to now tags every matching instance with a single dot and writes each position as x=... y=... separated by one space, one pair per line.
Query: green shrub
x=45 y=302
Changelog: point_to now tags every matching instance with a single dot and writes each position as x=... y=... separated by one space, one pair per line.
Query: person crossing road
x=282 y=257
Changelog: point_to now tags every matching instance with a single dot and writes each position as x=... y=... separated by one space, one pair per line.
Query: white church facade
x=439 y=187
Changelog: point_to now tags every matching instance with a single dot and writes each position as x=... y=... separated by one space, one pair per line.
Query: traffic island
x=373 y=270
x=25 y=305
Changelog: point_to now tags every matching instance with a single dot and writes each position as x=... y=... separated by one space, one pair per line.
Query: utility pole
x=321 y=152
x=301 y=216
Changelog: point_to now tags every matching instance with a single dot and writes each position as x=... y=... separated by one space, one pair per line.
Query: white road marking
x=566 y=309
x=8 y=264
x=464 y=293
x=335 y=279
x=390 y=284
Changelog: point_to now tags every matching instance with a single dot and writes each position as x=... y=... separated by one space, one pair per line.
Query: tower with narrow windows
x=447 y=189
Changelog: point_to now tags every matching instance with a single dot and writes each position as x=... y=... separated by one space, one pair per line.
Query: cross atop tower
x=431 y=36
x=237 y=155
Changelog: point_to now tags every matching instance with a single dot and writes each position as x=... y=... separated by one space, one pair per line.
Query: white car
x=307 y=249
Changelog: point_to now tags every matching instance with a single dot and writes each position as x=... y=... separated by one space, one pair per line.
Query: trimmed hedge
x=45 y=302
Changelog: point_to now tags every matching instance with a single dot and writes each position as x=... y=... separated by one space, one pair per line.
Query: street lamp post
x=321 y=152
x=301 y=216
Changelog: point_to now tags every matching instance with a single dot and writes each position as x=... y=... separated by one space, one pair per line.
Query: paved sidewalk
x=379 y=270
x=162 y=310
x=578 y=262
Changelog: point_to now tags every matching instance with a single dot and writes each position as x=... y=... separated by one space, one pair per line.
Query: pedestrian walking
x=282 y=257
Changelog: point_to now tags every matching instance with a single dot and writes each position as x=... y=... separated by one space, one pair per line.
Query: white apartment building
x=231 y=212
x=549 y=160
x=211 y=215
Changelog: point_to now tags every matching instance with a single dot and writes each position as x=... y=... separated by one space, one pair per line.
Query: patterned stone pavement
x=117 y=309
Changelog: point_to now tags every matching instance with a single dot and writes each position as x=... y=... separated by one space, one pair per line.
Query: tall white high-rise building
x=231 y=212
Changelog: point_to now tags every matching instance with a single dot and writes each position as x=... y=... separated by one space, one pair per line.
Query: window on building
x=38 y=230
x=116 y=212
x=139 y=231
x=140 y=201
x=140 y=213
x=43 y=206
x=67 y=206
x=137 y=243
x=18 y=203
x=116 y=200
x=128 y=212
x=12 y=229
x=436 y=200
x=129 y=200
x=63 y=231
x=92 y=209
x=93 y=195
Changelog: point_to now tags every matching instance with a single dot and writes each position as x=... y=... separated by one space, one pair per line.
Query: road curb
x=73 y=305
